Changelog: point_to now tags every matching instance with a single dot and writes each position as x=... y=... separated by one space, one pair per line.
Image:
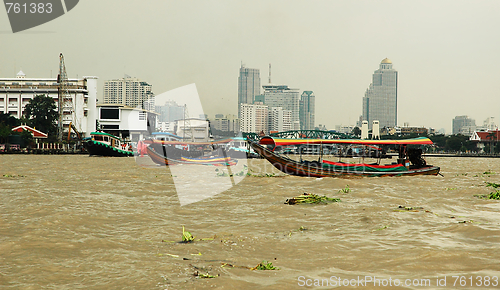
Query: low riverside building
x=34 y=132
x=78 y=108
x=125 y=122
x=485 y=137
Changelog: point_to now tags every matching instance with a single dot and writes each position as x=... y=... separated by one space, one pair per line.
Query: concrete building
x=307 y=110
x=128 y=91
x=463 y=125
x=126 y=122
x=380 y=100
x=170 y=112
x=193 y=130
x=279 y=120
x=254 y=118
x=248 y=86
x=286 y=98
x=488 y=124
x=79 y=108
x=229 y=123
x=346 y=129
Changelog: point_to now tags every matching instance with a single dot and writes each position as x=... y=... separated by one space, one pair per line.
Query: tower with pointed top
x=381 y=97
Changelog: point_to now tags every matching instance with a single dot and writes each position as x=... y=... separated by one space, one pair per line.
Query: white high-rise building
x=279 y=120
x=129 y=91
x=79 y=109
x=248 y=85
x=254 y=118
x=286 y=98
x=380 y=100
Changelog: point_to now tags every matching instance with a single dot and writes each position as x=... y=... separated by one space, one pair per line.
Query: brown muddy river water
x=79 y=222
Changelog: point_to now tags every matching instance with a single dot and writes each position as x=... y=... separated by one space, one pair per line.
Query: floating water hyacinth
x=264 y=265
x=310 y=198
x=186 y=236
x=492 y=195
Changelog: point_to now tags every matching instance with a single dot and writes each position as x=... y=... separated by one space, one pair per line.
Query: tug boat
x=104 y=144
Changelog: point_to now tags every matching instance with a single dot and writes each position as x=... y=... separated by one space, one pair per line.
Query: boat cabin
x=106 y=138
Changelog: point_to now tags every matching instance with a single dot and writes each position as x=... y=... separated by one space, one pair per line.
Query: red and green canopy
x=284 y=142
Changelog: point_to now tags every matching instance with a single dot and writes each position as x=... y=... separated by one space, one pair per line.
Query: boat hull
x=314 y=169
x=101 y=149
x=162 y=160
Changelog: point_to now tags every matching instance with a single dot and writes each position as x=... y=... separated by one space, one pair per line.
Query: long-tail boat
x=410 y=161
x=166 y=153
x=209 y=160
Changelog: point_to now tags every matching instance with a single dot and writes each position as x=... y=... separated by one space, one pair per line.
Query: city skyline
x=444 y=50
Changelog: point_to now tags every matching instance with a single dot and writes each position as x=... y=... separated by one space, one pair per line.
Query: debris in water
x=492 y=195
x=345 y=190
x=310 y=198
x=382 y=228
x=264 y=265
x=408 y=208
x=186 y=236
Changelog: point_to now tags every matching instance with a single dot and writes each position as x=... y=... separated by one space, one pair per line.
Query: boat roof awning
x=283 y=141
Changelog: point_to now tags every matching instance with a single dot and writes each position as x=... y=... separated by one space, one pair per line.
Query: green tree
x=455 y=142
x=7 y=122
x=439 y=141
x=5 y=131
x=42 y=114
x=356 y=131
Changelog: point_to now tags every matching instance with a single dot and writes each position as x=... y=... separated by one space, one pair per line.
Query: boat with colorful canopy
x=409 y=162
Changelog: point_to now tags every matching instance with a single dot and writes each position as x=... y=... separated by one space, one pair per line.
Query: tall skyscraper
x=286 y=98
x=307 y=107
x=128 y=91
x=248 y=86
x=381 y=98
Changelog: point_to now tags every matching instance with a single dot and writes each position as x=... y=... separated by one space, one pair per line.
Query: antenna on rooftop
x=269 y=73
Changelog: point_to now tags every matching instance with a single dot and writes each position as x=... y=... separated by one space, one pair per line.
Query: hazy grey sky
x=446 y=52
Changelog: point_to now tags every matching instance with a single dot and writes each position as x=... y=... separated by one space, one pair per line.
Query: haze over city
x=445 y=52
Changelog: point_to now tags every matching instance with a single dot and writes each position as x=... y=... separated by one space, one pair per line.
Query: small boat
x=161 y=159
x=104 y=144
x=410 y=161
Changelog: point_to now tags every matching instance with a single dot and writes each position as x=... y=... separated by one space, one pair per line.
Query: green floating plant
x=207 y=276
x=310 y=198
x=492 y=195
x=186 y=236
x=346 y=189
x=265 y=265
